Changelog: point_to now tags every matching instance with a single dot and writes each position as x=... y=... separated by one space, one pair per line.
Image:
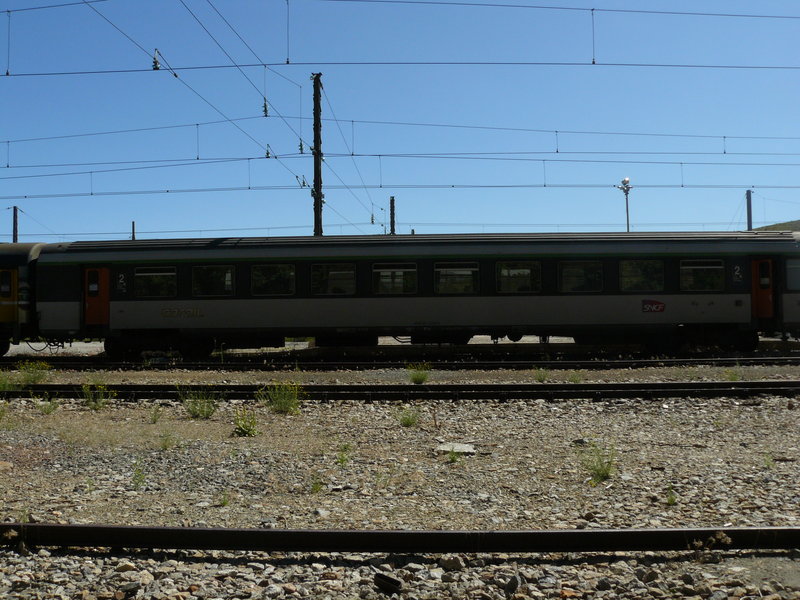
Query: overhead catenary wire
x=189 y=87
x=498 y=5
x=408 y=186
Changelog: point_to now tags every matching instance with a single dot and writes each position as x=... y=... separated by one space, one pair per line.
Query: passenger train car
x=659 y=289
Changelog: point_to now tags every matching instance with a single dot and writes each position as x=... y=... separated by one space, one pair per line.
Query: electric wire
x=569 y=8
x=369 y=196
x=190 y=88
x=63 y=4
x=407 y=186
x=430 y=63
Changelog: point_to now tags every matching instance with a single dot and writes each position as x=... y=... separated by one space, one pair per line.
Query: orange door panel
x=763 y=304
x=96 y=296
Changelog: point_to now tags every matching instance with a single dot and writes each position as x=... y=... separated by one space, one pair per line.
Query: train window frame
x=6 y=284
x=574 y=264
x=140 y=275
x=455 y=272
x=318 y=278
x=534 y=278
x=685 y=284
x=408 y=286
x=228 y=284
x=793 y=274
x=625 y=283
x=292 y=280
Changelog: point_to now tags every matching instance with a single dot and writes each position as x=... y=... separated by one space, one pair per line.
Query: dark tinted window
x=519 y=277
x=455 y=278
x=702 y=276
x=212 y=280
x=641 y=275
x=155 y=282
x=334 y=279
x=580 y=276
x=394 y=278
x=272 y=280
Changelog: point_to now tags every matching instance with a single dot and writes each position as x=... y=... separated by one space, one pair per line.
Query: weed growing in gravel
x=7 y=383
x=343 y=455
x=138 y=478
x=224 y=499
x=281 y=398
x=419 y=372
x=733 y=374
x=3 y=410
x=245 y=423
x=599 y=461
x=156 y=413
x=453 y=457
x=317 y=485
x=47 y=406
x=32 y=372
x=769 y=461
x=200 y=404
x=672 y=497
x=540 y=375
x=575 y=377
x=167 y=440
x=408 y=417
x=96 y=396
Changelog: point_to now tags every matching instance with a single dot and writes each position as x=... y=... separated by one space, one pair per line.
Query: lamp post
x=626 y=187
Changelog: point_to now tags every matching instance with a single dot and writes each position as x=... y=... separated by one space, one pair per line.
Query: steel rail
x=453 y=392
x=268 y=540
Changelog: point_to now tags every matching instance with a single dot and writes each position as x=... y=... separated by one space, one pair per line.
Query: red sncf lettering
x=653 y=306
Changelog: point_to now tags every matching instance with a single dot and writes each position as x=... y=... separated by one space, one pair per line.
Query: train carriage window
x=519 y=277
x=702 y=276
x=394 y=278
x=456 y=278
x=5 y=284
x=212 y=280
x=272 y=280
x=641 y=275
x=334 y=279
x=580 y=276
x=155 y=282
x=793 y=274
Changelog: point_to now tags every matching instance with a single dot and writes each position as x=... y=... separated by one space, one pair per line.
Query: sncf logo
x=653 y=306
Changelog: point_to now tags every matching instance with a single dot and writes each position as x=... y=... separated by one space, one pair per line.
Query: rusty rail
x=267 y=540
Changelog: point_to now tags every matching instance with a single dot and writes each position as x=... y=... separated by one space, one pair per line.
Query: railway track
x=452 y=392
x=265 y=364
x=271 y=540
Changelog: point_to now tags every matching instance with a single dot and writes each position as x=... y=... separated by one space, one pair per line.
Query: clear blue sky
x=476 y=131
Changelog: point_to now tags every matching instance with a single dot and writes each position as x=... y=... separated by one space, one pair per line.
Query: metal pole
x=391 y=215
x=15 y=234
x=627 y=213
x=749 y=196
x=133 y=230
x=316 y=192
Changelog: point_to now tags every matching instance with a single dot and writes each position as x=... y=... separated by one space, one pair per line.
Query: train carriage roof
x=488 y=244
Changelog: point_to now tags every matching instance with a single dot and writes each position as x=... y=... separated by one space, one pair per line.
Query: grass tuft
x=96 y=396
x=408 y=417
x=199 y=404
x=419 y=372
x=245 y=423
x=281 y=398
x=32 y=372
x=599 y=461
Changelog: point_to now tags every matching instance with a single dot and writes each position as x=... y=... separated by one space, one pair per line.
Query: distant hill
x=787 y=226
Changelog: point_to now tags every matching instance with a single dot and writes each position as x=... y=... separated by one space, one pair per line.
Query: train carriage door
x=763 y=305
x=95 y=296
x=8 y=296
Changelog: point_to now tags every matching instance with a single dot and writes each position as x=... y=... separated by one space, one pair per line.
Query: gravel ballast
x=523 y=465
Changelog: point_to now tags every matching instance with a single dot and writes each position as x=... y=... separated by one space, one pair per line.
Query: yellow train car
x=17 y=317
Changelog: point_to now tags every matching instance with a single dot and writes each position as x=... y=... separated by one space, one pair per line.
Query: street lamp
x=626 y=187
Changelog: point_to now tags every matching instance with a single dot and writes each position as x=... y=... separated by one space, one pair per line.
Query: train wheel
x=197 y=349
x=4 y=346
x=118 y=351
